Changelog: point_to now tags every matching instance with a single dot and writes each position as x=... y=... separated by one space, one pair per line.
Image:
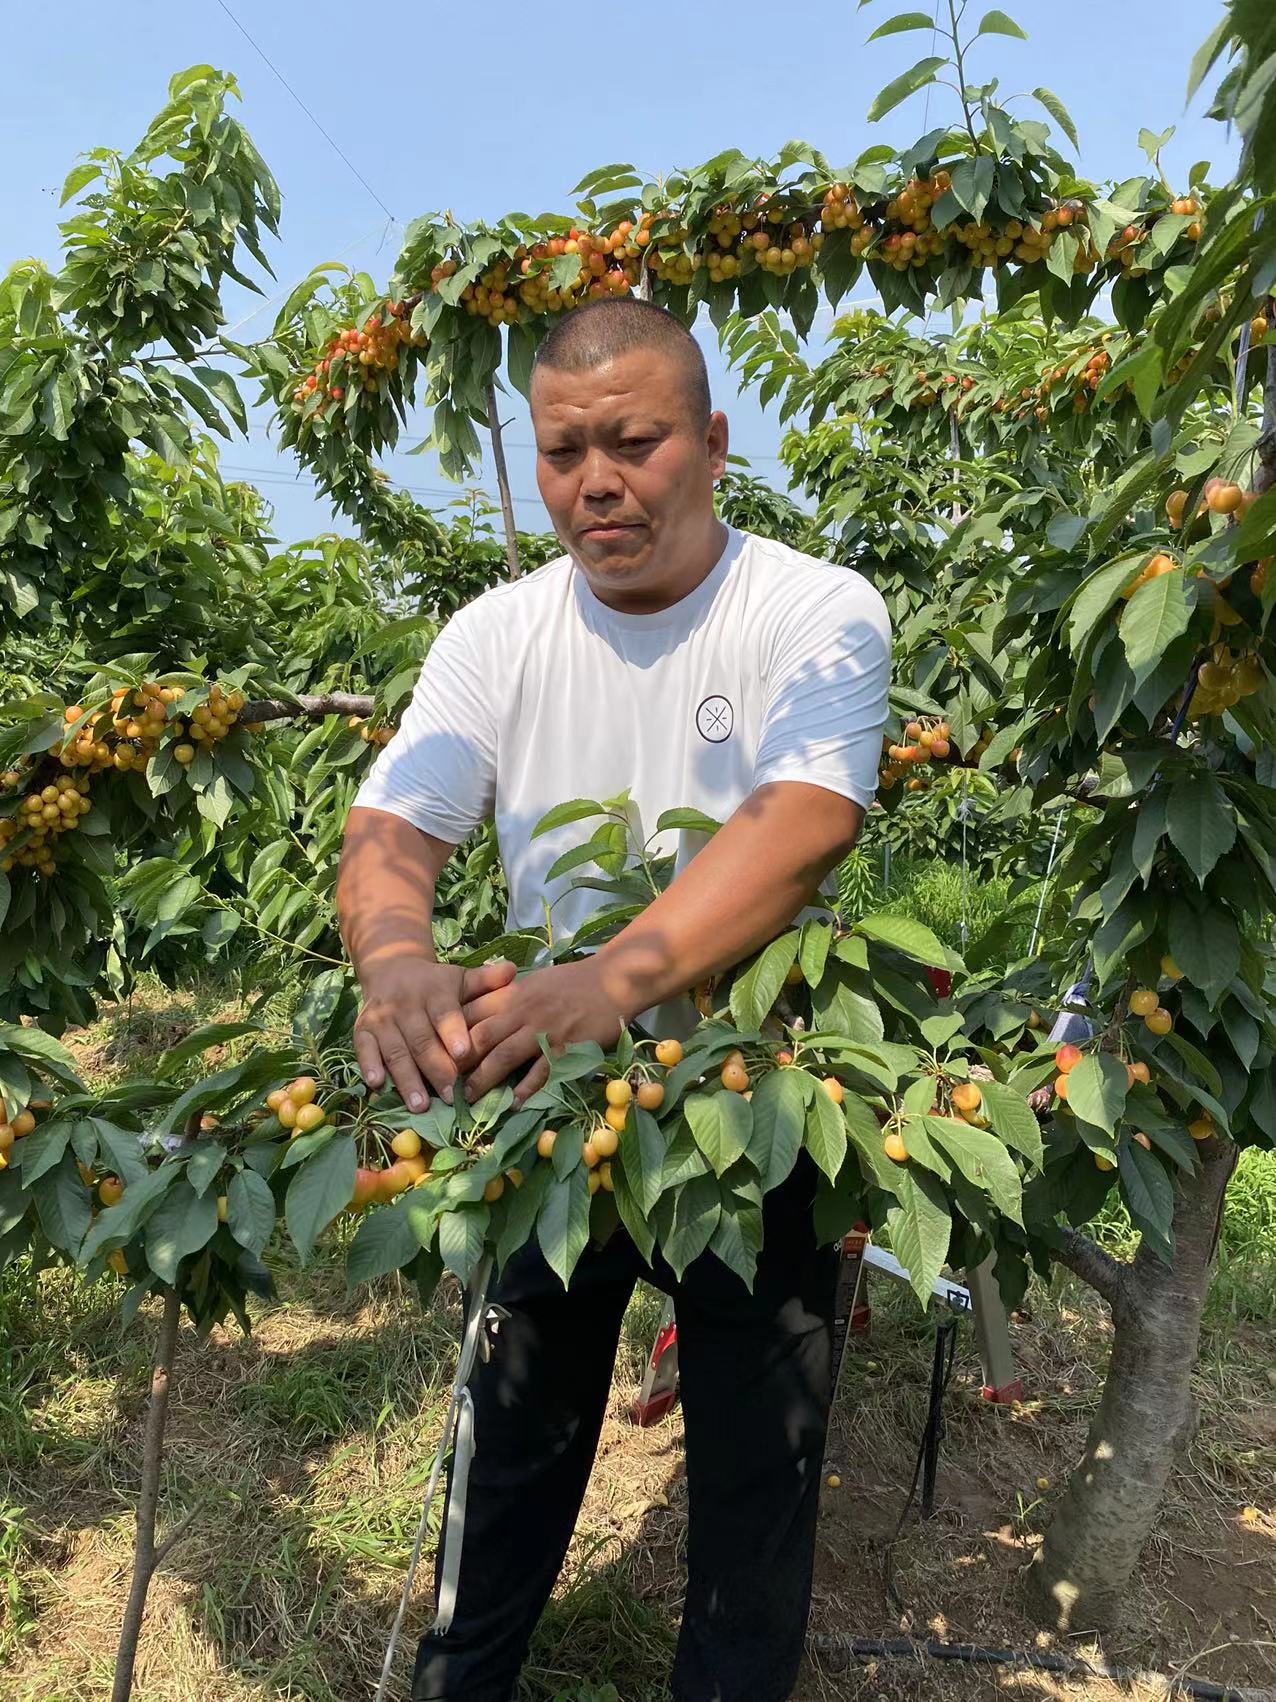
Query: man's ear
x=716 y=440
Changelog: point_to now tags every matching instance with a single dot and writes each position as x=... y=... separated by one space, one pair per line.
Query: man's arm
x=747 y=884
x=411 y=1022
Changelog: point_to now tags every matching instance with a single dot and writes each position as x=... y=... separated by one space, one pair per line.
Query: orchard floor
x=305 y=1451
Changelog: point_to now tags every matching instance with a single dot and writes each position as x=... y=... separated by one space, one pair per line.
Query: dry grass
x=309 y=1446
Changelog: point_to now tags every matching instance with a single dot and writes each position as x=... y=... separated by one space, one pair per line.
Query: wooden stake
x=502 y=480
x=146 y=1556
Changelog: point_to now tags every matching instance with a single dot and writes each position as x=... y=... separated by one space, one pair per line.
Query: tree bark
x=146 y=1556
x=1145 y=1416
x=307 y=707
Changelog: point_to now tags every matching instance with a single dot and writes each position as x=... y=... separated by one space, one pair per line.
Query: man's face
x=624 y=468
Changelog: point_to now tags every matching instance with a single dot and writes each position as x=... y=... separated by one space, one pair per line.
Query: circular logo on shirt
x=715 y=719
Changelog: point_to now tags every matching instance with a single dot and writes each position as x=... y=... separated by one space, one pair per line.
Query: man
x=692 y=665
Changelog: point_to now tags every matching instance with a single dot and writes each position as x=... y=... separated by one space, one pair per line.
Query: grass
x=935 y=893
x=305 y=1451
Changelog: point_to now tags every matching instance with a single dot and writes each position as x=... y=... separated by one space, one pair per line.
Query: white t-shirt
x=774 y=668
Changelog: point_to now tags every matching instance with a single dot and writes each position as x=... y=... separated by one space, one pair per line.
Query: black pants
x=755 y=1382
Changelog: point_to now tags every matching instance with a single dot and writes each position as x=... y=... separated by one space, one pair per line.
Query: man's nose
x=600 y=477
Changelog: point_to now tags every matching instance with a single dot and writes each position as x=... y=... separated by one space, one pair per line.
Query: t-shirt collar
x=684 y=610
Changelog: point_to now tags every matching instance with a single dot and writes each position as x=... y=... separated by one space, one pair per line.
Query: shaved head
x=589 y=337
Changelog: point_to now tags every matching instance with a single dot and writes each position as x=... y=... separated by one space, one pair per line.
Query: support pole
x=471 y=1342
x=502 y=480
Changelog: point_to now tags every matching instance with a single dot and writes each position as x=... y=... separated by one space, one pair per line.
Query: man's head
x=628 y=450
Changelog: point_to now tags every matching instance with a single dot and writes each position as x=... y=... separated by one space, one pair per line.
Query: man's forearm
x=385 y=890
x=747 y=884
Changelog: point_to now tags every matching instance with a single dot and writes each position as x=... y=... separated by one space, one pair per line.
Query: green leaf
x=997 y=23
x=983 y=1161
x=905 y=935
x=1098 y=594
x=62 y=1205
x=383 y=1242
x=633 y=1216
x=642 y=1157
x=917 y=77
x=1059 y=112
x=1156 y=615
x=737 y=1240
x=1097 y=1089
x=901 y=23
x=1206 y=945
x=522 y=1208
x=461 y=1234
x=321 y=1187
x=118 y=1223
x=1149 y=1196
x=250 y=1210
x=42 y=1151
x=1012 y=1118
x=755 y=992
x=1201 y=822
x=779 y=1120
x=695 y=1218
x=183 y=1223
x=720 y=1124
x=76 y=179
x=683 y=1160
x=694 y=821
x=825 y=1133
x=814 y=941
x=563 y=1226
x=124 y=1149
x=867 y=1138
x=318 y=1006
x=920 y=1227
x=204 y=1163
x=577 y=809
x=199 y=1040
x=222 y=386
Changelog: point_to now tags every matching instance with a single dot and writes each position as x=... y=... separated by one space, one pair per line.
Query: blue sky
x=486 y=109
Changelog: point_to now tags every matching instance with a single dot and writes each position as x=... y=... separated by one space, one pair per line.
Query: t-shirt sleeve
x=439 y=771
x=825 y=696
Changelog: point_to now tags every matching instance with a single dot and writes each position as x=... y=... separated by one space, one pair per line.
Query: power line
x=279 y=476
x=340 y=152
x=273 y=300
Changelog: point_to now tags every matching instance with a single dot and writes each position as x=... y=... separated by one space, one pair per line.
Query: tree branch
x=1107 y=1276
x=308 y=708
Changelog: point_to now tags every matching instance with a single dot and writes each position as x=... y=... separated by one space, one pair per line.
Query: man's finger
x=402 y=1067
x=486 y=979
x=429 y=1055
x=502 y=1061
x=485 y=1006
x=453 y=1033
x=486 y=1036
x=368 y=1054
x=532 y=1082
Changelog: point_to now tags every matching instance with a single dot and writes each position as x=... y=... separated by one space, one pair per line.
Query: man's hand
x=411 y=1023
x=565 y=1003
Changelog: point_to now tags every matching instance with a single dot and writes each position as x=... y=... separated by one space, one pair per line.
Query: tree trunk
x=146 y=1557
x=1145 y=1416
x=502 y=481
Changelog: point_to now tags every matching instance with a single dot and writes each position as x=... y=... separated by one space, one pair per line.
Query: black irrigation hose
x=975 y=1654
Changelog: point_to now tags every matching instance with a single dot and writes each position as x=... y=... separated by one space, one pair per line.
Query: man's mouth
x=607 y=531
